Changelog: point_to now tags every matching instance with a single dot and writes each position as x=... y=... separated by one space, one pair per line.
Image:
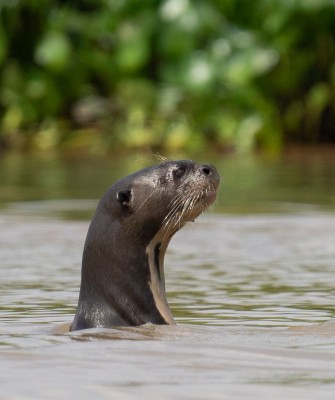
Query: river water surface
x=251 y=285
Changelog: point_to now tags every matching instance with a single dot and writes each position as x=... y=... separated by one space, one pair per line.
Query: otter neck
x=130 y=288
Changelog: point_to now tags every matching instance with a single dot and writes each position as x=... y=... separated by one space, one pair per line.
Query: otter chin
x=122 y=277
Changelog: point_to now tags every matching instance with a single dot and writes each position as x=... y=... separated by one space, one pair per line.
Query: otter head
x=163 y=197
x=122 y=270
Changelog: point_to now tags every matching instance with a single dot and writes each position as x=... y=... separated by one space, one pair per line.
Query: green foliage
x=166 y=74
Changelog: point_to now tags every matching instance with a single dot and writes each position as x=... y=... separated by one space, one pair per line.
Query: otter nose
x=211 y=173
x=206 y=169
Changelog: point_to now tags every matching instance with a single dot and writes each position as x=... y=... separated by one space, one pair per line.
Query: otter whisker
x=178 y=201
x=185 y=206
x=168 y=228
x=194 y=201
x=171 y=212
x=175 y=216
x=170 y=215
x=147 y=198
x=170 y=223
x=178 y=198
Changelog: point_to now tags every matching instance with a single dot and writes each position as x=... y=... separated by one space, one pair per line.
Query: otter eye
x=179 y=172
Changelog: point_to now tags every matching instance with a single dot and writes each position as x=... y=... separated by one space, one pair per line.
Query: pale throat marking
x=156 y=250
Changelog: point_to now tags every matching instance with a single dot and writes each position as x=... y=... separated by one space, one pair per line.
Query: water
x=251 y=286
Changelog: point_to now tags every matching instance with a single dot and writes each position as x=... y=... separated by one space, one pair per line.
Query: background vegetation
x=167 y=74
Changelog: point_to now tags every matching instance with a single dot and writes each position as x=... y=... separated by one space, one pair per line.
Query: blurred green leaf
x=54 y=51
x=167 y=74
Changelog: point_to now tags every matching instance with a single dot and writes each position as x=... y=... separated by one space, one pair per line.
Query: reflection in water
x=293 y=181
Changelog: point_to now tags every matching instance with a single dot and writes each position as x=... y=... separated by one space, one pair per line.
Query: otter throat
x=156 y=251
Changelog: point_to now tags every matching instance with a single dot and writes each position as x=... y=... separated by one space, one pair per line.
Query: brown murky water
x=252 y=288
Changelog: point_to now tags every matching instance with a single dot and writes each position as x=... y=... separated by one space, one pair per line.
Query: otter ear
x=124 y=197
